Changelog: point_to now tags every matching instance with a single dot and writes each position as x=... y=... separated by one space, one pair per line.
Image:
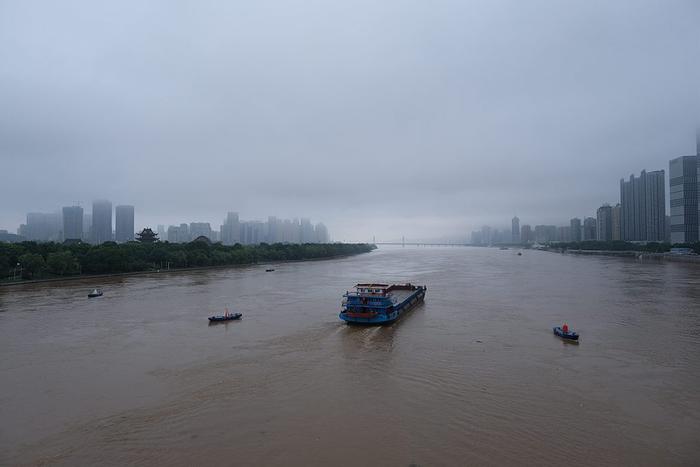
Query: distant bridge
x=421 y=244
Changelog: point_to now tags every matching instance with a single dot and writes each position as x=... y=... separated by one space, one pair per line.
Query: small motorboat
x=269 y=270
x=520 y=254
x=225 y=317
x=95 y=293
x=567 y=334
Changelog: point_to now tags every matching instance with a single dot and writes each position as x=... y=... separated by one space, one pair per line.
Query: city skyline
x=117 y=223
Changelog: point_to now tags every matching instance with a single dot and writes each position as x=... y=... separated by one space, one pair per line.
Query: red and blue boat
x=380 y=303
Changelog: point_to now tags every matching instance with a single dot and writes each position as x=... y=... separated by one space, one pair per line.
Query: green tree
x=62 y=263
x=32 y=265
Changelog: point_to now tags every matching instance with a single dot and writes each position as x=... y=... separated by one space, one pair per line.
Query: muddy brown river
x=473 y=376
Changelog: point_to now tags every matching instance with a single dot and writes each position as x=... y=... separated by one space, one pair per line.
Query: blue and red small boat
x=225 y=317
x=565 y=333
x=380 y=303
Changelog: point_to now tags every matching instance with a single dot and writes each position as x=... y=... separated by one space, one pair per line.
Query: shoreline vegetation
x=31 y=262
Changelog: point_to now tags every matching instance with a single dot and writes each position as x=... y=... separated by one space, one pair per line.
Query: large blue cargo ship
x=380 y=303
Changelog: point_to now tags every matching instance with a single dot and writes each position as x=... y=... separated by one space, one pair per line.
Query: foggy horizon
x=390 y=120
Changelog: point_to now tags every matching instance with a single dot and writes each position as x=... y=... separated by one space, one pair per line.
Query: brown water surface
x=472 y=377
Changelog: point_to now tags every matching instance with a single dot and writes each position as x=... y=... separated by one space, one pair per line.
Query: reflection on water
x=473 y=376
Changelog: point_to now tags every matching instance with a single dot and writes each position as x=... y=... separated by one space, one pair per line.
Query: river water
x=473 y=376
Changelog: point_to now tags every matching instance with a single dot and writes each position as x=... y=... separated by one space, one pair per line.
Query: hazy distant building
x=124 y=223
x=667 y=237
x=515 y=229
x=526 y=234
x=683 y=175
x=476 y=237
x=604 y=216
x=643 y=207
x=321 y=233
x=253 y=232
x=173 y=234
x=307 y=231
x=486 y=235
x=564 y=233
x=615 y=222
x=545 y=233
x=589 y=229
x=575 y=225
x=162 y=234
x=274 y=230
x=72 y=223
x=87 y=226
x=101 y=222
x=231 y=229
x=42 y=227
x=184 y=233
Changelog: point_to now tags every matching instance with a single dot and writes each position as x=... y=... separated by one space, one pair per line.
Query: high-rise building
x=615 y=223
x=101 y=222
x=307 y=231
x=526 y=234
x=575 y=225
x=515 y=229
x=604 y=229
x=564 y=233
x=87 y=226
x=643 y=207
x=162 y=234
x=683 y=175
x=321 y=233
x=545 y=233
x=72 y=223
x=42 y=227
x=231 y=229
x=589 y=229
x=124 y=223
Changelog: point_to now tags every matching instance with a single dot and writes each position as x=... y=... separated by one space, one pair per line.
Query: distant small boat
x=520 y=253
x=503 y=248
x=570 y=336
x=269 y=270
x=225 y=317
x=95 y=293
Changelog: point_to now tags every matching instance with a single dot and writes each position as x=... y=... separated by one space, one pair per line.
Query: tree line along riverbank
x=32 y=260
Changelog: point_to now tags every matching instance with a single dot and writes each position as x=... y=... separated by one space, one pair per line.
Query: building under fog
x=42 y=227
x=515 y=230
x=101 y=230
x=683 y=175
x=604 y=224
x=231 y=229
x=643 y=207
x=72 y=223
x=124 y=224
x=575 y=226
x=590 y=232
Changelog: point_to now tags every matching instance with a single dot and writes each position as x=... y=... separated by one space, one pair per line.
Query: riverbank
x=260 y=254
x=641 y=255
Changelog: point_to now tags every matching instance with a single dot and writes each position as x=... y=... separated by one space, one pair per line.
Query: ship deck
x=401 y=295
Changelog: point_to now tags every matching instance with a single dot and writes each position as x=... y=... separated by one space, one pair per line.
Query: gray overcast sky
x=387 y=118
